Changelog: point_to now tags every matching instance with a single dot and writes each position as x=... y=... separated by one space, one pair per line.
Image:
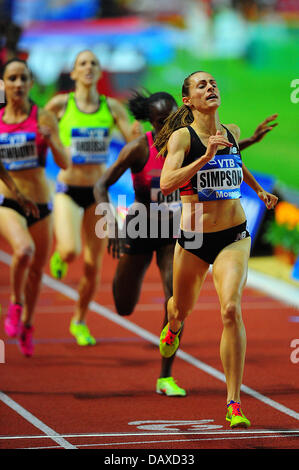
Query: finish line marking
x=280 y=432
x=161 y=441
x=50 y=433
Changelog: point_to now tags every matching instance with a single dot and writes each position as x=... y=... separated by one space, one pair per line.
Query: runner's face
x=204 y=95
x=17 y=81
x=87 y=69
x=160 y=112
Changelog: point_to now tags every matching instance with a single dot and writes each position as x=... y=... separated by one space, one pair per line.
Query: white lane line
x=168 y=441
x=183 y=440
x=232 y=432
x=121 y=321
x=50 y=433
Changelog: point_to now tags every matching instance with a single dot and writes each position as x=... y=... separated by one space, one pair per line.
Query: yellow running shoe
x=167 y=386
x=58 y=267
x=169 y=342
x=236 y=417
x=82 y=334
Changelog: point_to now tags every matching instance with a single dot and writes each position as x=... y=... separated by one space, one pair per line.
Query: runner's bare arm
x=173 y=174
x=57 y=104
x=122 y=121
x=262 y=129
x=48 y=127
x=127 y=158
x=269 y=199
x=27 y=204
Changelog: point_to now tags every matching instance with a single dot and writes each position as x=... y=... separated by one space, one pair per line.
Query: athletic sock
x=174 y=332
x=232 y=401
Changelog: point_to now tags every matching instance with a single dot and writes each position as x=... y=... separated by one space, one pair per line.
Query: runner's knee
x=35 y=273
x=25 y=253
x=68 y=254
x=123 y=306
x=123 y=311
x=91 y=273
x=231 y=313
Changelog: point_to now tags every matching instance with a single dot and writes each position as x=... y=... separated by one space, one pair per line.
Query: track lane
x=112 y=384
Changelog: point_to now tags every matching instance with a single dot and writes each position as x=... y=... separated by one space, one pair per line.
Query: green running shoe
x=169 y=342
x=82 y=334
x=58 y=267
x=167 y=386
x=236 y=417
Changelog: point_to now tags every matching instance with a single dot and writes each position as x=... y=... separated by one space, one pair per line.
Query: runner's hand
x=269 y=199
x=114 y=242
x=214 y=142
x=27 y=205
x=136 y=130
x=46 y=132
x=264 y=127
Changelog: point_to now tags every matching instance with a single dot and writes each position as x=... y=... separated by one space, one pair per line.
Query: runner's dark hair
x=141 y=102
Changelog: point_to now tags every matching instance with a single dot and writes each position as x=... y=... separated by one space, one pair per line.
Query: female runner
x=203 y=160
x=85 y=122
x=141 y=157
x=25 y=134
x=137 y=253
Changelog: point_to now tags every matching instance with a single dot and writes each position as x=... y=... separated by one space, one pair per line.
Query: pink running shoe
x=12 y=320
x=26 y=340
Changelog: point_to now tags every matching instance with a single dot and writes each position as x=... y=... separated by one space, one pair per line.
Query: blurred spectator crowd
x=206 y=28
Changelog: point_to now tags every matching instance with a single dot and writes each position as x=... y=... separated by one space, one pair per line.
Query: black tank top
x=197 y=149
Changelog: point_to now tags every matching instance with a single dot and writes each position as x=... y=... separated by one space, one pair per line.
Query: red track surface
x=103 y=397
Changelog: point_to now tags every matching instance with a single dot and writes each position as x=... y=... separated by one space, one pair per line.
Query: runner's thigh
x=67 y=223
x=189 y=273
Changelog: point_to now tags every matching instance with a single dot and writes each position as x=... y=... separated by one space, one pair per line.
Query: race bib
x=18 y=151
x=220 y=178
x=172 y=200
x=89 y=145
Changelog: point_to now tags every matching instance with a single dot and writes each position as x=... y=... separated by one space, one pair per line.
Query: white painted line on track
x=121 y=321
x=232 y=435
x=50 y=433
x=232 y=432
x=182 y=440
x=164 y=441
